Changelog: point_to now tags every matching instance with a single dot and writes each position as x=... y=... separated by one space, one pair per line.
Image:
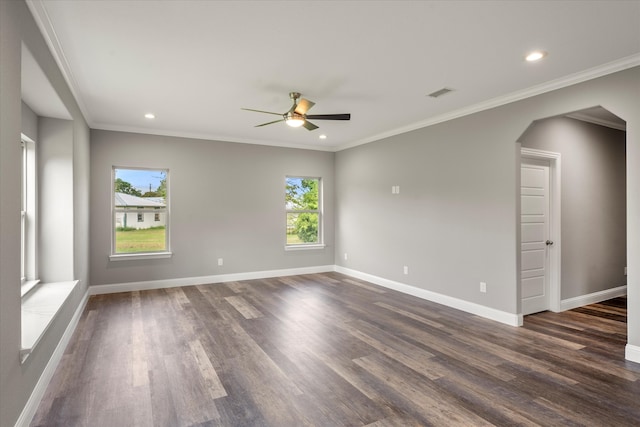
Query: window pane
x=23 y=213
x=141 y=240
x=302 y=228
x=140 y=214
x=147 y=183
x=29 y=214
x=302 y=193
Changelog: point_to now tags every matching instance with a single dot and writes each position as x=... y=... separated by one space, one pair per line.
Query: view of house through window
x=302 y=202
x=140 y=214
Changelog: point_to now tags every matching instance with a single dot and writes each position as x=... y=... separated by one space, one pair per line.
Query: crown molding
x=572 y=79
x=210 y=137
x=596 y=121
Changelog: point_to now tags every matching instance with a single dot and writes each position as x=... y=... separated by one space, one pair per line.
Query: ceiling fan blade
x=260 y=111
x=304 y=105
x=269 y=123
x=309 y=126
x=329 y=116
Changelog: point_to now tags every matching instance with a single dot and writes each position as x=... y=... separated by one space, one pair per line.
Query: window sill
x=304 y=247
x=133 y=257
x=26 y=287
x=39 y=308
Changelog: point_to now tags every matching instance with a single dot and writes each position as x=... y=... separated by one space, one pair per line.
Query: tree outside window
x=302 y=202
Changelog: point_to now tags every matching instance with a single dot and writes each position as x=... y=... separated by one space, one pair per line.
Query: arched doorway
x=586 y=211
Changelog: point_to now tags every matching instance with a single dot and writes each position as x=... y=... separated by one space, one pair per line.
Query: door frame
x=555 y=253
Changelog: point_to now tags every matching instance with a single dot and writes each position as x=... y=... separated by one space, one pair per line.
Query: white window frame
x=28 y=215
x=23 y=212
x=140 y=255
x=307 y=246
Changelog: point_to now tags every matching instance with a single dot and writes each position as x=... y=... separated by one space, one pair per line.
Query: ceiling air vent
x=439 y=93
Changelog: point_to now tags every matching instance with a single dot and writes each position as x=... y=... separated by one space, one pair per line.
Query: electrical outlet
x=483 y=287
x=406 y=269
x=220 y=261
x=346 y=257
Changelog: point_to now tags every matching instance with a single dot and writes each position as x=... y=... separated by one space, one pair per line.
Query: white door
x=535 y=239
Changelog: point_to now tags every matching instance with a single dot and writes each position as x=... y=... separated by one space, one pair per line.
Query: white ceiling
x=194 y=64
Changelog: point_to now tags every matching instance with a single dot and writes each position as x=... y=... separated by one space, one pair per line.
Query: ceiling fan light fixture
x=294 y=120
x=295 y=123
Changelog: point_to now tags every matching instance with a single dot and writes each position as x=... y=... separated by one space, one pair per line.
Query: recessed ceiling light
x=323 y=136
x=150 y=116
x=535 y=56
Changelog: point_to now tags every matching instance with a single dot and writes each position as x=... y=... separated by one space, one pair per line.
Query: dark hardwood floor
x=329 y=350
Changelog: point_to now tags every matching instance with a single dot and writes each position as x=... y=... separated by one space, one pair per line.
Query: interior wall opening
x=590 y=145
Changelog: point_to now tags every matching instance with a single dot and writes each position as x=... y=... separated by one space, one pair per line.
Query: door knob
x=549 y=242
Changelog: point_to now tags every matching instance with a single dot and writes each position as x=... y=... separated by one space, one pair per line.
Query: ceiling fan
x=297 y=115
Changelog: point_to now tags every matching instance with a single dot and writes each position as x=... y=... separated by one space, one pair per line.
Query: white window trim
x=23 y=245
x=27 y=286
x=303 y=247
x=141 y=255
x=28 y=216
x=113 y=256
x=320 y=211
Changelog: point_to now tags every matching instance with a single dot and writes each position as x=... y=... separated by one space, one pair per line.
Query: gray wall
x=17 y=381
x=29 y=122
x=593 y=205
x=55 y=200
x=454 y=221
x=226 y=201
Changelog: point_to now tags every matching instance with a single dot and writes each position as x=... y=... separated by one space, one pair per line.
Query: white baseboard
x=571 y=303
x=205 y=280
x=466 y=306
x=632 y=353
x=31 y=407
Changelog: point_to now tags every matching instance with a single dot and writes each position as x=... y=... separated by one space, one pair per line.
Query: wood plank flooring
x=329 y=350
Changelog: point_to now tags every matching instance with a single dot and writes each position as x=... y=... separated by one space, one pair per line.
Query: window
x=28 y=215
x=304 y=214
x=137 y=194
x=23 y=213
